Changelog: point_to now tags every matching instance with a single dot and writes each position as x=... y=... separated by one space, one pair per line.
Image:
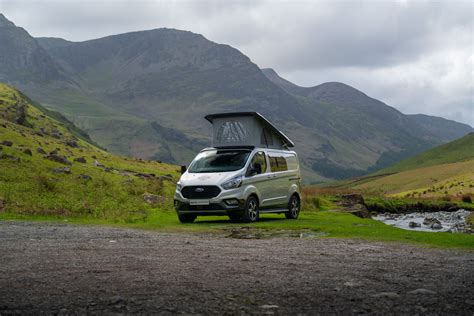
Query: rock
x=54 y=152
x=2 y=204
x=65 y=170
x=58 y=158
x=391 y=295
x=28 y=152
x=436 y=226
x=352 y=199
x=153 y=199
x=80 y=159
x=9 y=157
x=85 y=177
x=7 y=143
x=98 y=164
x=422 y=291
x=145 y=175
x=71 y=143
x=40 y=150
x=414 y=224
x=429 y=221
x=269 y=306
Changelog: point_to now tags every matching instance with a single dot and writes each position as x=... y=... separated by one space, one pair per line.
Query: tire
x=186 y=218
x=293 y=207
x=251 y=213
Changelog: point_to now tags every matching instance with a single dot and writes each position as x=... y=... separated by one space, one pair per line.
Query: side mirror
x=183 y=169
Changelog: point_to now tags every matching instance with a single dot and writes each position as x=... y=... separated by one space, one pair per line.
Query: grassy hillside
x=446 y=171
x=456 y=151
x=48 y=167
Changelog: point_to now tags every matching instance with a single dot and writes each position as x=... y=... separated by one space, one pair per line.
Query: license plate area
x=199 y=202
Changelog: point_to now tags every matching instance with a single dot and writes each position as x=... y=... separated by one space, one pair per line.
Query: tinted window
x=219 y=161
x=277 y=163
x=259 y=158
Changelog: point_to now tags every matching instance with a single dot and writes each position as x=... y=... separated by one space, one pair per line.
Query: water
x=450 y=221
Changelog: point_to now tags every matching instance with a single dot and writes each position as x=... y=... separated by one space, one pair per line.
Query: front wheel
x=186 y=218
x=293 y=208
x=251 y=210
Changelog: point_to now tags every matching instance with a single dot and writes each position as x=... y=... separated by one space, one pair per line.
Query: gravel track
x=61 y=268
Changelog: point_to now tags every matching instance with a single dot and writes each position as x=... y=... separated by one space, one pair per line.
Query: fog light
x=232 y=202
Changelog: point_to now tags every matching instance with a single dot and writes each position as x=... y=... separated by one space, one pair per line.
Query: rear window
x=282 y=162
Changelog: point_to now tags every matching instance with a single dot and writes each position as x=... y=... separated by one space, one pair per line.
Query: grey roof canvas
x=246 y=128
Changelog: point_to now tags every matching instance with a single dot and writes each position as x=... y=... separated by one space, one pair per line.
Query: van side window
x=259 y=159
x=278 y=163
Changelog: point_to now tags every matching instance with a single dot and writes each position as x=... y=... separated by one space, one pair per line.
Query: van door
x=257 y=175
x=280 y=178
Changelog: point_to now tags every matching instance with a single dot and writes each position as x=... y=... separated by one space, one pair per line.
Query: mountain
x=48 y=166
x=446 y=170
x=145 y=94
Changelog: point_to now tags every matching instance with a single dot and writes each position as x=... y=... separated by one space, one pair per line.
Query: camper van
x=248 y=171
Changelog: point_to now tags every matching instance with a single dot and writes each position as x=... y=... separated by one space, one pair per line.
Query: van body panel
x=273 y=189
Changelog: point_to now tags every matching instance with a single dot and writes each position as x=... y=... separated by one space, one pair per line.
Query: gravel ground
x=55 y=268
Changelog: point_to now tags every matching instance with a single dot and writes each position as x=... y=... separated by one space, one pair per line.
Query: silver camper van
x=249 y=170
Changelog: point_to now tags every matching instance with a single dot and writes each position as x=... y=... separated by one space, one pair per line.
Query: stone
x=98 y=164
x=145 y=175
x=65 y=170
x=85 y=177
x=58 y=158
x=414 y=224
x=28 y=152
x=422 y=291
x=7 y=143
x=391 y=295
x=40 y=150
x=54 y=152
x=429 y=221
x=80 y=159
x=436 y=226
x=9 y=157
x=71 y=143
x=153 y=199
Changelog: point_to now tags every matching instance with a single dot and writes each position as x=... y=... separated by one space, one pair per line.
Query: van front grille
x=200 y=191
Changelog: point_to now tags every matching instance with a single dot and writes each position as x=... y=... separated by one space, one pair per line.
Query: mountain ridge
x=131 y=91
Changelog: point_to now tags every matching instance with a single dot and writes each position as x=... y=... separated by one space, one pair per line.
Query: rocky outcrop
x=354 y=204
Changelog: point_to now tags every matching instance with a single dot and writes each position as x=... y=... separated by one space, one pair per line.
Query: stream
x=454 y=222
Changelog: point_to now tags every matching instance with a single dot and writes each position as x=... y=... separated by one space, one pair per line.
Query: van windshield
x=219 y=161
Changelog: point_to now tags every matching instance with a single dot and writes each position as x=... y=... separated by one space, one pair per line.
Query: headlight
x=232 y=183
x=178 y=186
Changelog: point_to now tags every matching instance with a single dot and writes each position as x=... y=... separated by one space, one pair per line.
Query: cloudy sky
x=417 y=56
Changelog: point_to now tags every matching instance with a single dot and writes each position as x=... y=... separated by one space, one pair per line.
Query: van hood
x=207 y=178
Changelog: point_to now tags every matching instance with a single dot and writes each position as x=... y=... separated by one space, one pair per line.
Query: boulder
x=40 y=150
x=80 y=159
x=153 y=199
x=54 y=152
x=58 y=158
x=85 y=177
x=71 y=143
x=414 y=224
x=355 y=204
x=98 y=164
x=7 y=143
x=65 y=170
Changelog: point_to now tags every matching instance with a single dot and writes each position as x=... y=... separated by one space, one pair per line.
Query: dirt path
x=56 y=268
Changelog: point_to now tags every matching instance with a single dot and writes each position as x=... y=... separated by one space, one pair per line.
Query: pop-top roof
x=260 y=118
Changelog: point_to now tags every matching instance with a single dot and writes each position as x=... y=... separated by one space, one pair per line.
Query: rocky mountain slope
x=145 y=94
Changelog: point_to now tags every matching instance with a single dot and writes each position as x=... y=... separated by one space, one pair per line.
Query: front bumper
x=214 y=208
